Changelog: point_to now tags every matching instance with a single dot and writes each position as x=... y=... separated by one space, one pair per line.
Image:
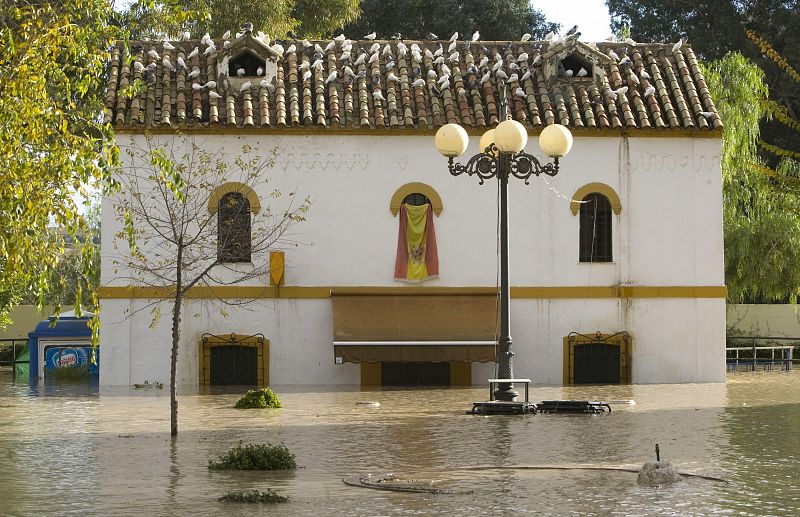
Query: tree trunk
x=176 y=334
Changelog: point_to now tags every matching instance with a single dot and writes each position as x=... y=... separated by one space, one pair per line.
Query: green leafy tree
x=54 y=146
x=783 y=113
x=414 y=19
x=715 y=27
x=311 y=19
x=52 y=141
x=761 y=215
x=76 y=275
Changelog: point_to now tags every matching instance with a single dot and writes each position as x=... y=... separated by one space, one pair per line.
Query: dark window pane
x=597 y=363
x=415 y=374
x=234 y=365
x=595 y=229
x=233 y=241
x=415 y=199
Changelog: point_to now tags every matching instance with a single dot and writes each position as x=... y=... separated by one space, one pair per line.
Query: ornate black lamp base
x=499 y=407
x=503 y=399
x=505 y=393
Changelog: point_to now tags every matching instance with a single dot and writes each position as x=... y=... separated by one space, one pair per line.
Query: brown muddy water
x=77 y=451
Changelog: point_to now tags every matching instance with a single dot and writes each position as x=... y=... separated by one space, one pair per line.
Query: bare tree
x=180 y=230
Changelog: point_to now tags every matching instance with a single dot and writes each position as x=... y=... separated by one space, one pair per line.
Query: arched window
x=233 y=227
x=595 y=229
x=416 y=199
x=415 y=194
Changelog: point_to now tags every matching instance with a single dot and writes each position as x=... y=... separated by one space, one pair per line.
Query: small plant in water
x=77 y=373
x=255 y=456
x=254 y=496
x=258 y=399
x=149 y=385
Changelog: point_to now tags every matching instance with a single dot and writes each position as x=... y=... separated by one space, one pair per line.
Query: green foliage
x=761 y=217
x=495 y=19
x=78 y=373
x=53 y=144
x=254 y=456
x=259 y=399
x=149 y=385
x=75 y=278
x=738 y=89
x=253 y=496
x=311 y=18
x=159 y=18
x=789 y=120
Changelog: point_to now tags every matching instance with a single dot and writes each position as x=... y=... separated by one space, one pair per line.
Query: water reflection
x=66 y=450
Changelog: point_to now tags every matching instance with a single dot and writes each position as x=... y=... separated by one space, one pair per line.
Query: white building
x=625 y=287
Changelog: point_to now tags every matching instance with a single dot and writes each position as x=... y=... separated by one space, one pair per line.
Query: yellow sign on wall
x=276 y=268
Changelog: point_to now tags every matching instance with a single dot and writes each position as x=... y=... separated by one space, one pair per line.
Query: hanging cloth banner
x=417 y=256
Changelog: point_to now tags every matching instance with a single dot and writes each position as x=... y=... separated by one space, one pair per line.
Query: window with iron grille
x=416 y=199
x=233 y=239
x=595 y=229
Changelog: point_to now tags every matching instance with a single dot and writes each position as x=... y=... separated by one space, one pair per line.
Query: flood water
x=73 y=451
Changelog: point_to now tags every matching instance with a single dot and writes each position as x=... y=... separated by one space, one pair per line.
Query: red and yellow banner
x=417 y=256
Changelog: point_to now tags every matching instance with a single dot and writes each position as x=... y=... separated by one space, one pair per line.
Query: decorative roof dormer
x=573 y=60
x=247 y=58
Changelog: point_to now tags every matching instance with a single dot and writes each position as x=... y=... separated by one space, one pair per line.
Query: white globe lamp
x=451 y=140
x=555 y=141
x=487 y=139
x=510 y=136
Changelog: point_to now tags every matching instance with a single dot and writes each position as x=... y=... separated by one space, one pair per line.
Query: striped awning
x=414 y=351
x=414 y=328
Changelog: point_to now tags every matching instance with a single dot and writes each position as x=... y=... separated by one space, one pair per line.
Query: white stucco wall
x=669 y=233
x=764 y=320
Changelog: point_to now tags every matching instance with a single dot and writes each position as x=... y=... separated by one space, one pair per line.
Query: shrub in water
x=255 y=456
x=254 y=496
x=77 y=373
x=258 y=399
x=147 y=385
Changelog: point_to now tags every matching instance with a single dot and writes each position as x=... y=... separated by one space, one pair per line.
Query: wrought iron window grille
x=595 y=229
x=234 y=228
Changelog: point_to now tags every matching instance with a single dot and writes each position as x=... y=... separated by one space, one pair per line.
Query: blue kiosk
x=63 y=343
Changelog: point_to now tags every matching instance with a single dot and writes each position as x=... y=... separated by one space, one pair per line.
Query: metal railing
x=763 y=351
x=17 y=346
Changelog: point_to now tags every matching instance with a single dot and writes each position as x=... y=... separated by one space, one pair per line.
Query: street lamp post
x=502 y=156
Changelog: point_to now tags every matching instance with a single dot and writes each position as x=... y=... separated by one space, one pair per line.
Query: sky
x=591 y=16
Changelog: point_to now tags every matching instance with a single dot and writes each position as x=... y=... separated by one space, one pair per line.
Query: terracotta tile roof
x=382 y=93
